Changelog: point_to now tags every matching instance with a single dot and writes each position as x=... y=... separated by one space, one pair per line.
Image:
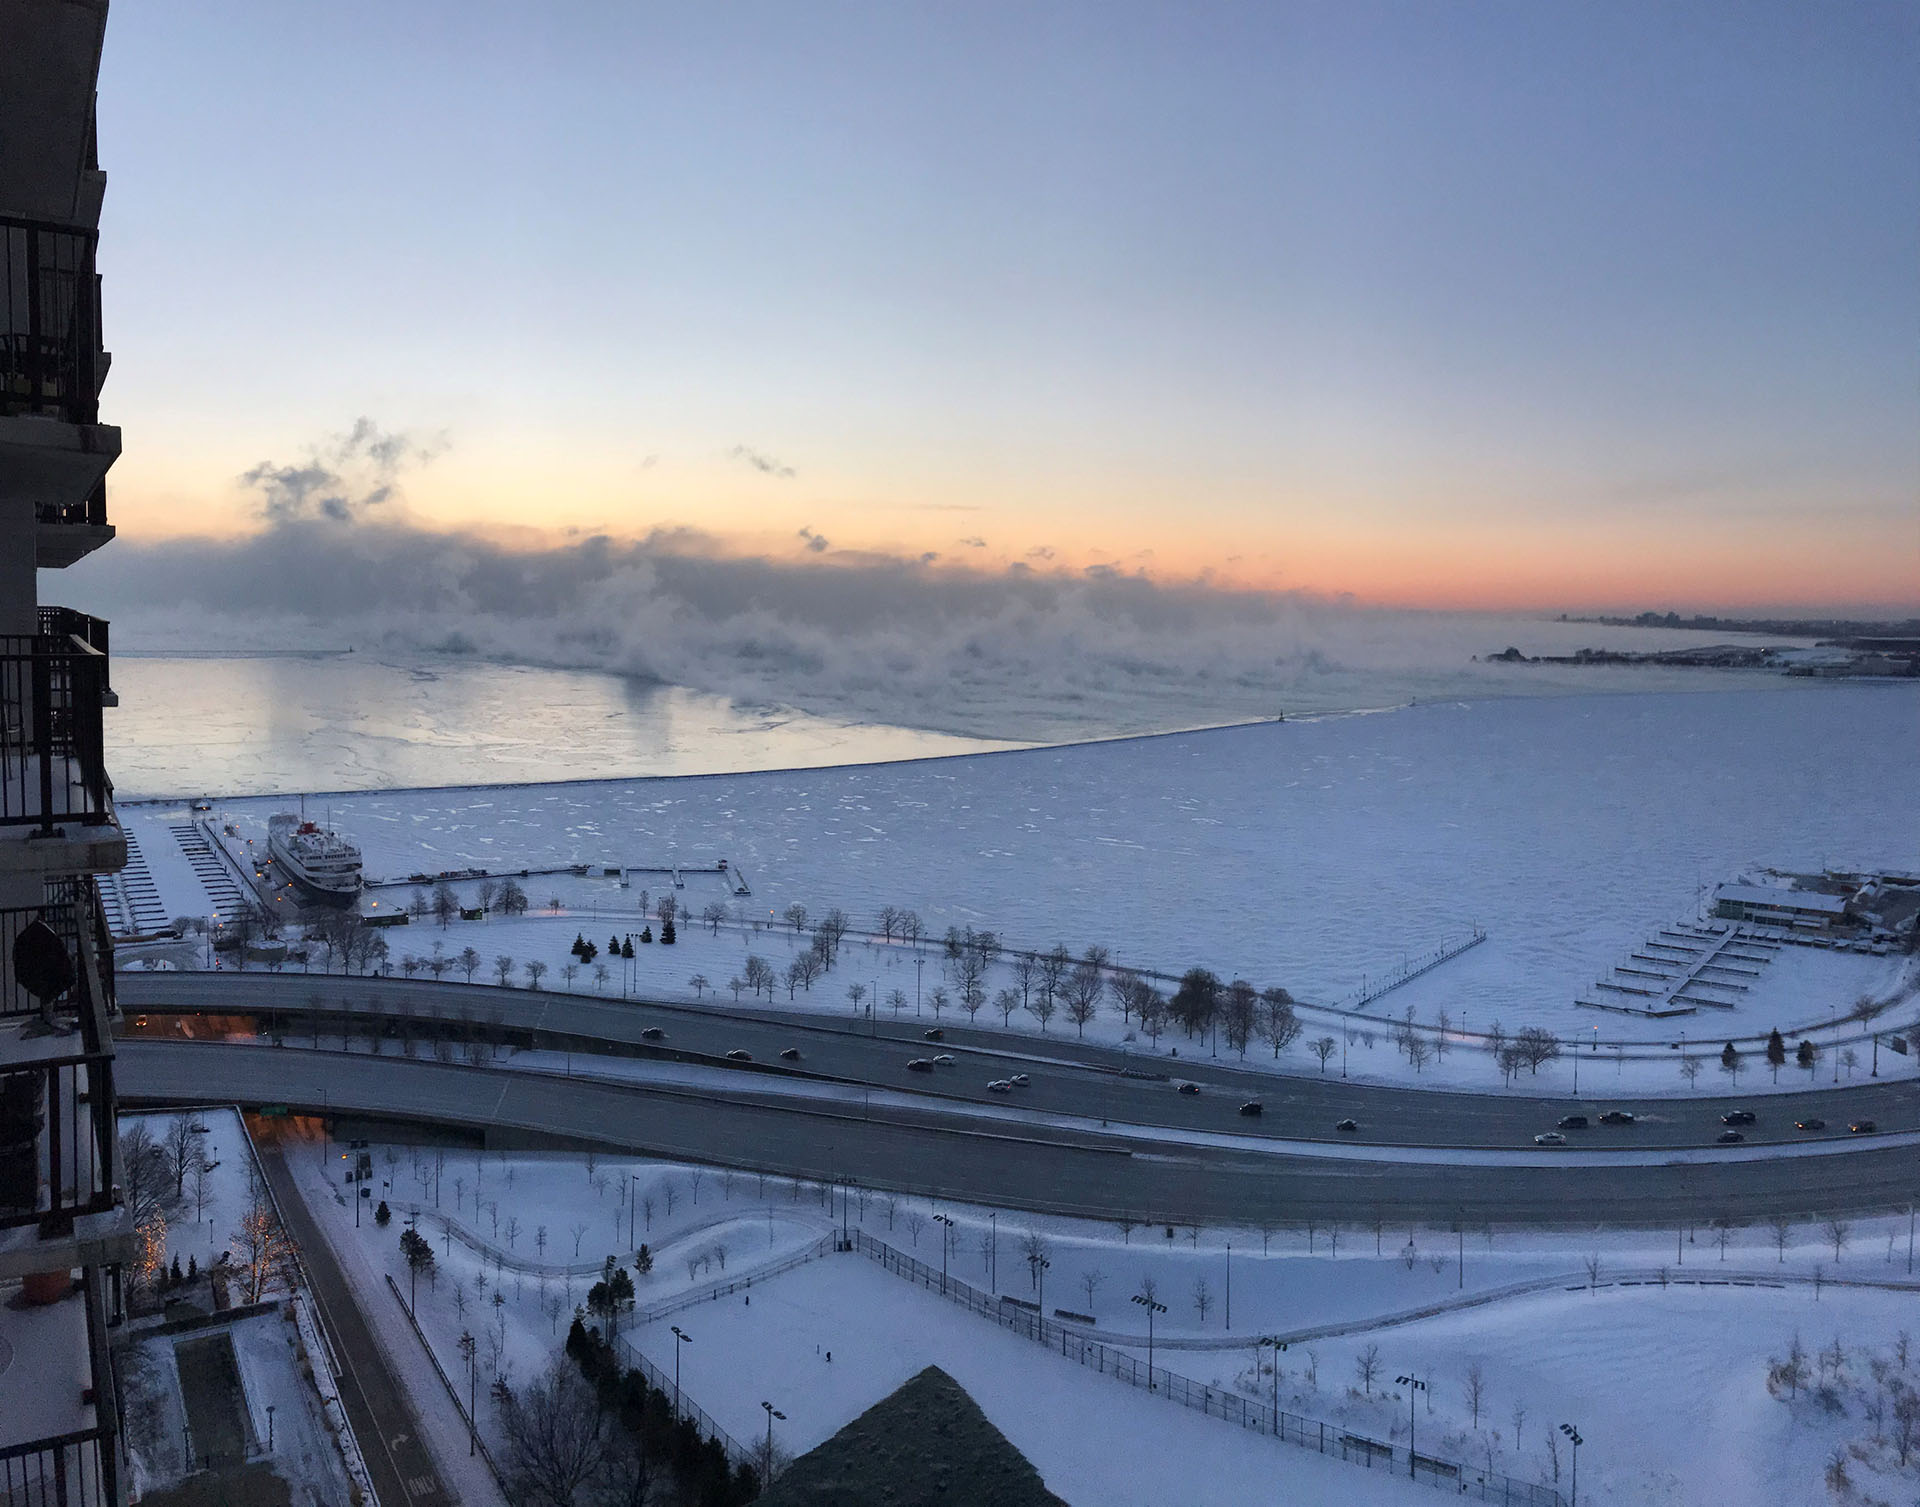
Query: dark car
x=1252 y=1107
x=790 y=1054
x=1737 y=1117
x=1617 y=1117
x=1573 y=1122
x=1812 y=1122
x=1729 y=1137
x=1861 y=1127
x=936 y=1034
x=737 y=1055
x=1189 y=1088
x=1347 y=1127
x=653 y=1033
x=920 y=1065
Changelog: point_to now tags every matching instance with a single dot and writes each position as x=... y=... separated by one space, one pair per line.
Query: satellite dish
x=41 y=962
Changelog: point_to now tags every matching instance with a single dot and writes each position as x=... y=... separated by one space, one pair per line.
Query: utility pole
x=1574 y=1434
x=680 y=1337
x=1414 y=1386
x=1152 y=1308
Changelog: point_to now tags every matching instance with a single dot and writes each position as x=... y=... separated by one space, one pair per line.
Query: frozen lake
x=1302 y=853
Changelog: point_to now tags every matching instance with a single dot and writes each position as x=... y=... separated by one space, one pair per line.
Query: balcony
x=86 y=633
x=69 y=531
x=53 y=449
x=57 y=1416
x=56 y=806
x=59 y=1149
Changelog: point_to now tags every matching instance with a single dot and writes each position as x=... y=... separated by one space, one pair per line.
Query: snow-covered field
x=1316 y=855
x=1666 y=1383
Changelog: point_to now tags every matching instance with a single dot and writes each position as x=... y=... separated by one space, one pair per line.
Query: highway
x=934 y=1151
x=1069 y=1078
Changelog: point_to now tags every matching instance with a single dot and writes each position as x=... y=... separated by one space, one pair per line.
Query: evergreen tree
x=1729 y=1058
x=646 y=934
x=174 y=1278
x=643 y=1260
x=626 y=949
x=382 y=1214
x=193 y=1267
x=667 y=937
x=1776 y=1053
x=1805 y=1055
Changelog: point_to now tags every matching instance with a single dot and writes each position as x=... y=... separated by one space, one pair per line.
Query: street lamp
x=1573 y=1434
x=1040 y=1278
x=772 y=1413
x=471 y=1350
x=1278 y=1345
x=1152 y=1308
x=993 y=1248
x=680 y=1337
x=1413 y=1384
x=270 y=1407
x=633 y=1197
x=946 y=1239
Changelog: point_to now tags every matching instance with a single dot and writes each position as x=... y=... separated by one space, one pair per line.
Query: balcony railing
x=57 y=1106
x=52 y=764
x=81 y=1468
x=50 y=357
x=63 y=623
x=93 y=510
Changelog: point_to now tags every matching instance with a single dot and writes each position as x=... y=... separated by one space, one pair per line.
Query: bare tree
x=182 y=1142
x=1091 y=1282
x=1366 y=1365
x=1690 y=1070
x=260 y=1245
x=503 y=969
x=1476 y=1390
x=795 y=916
x=1323 y=1049
x=1083 y=990
x=1592 y=1265
x=915 y=1222
x=1041 y=1007
x=557 y=1438
x=1836 y=1232
x=1279 y=1026
x=1202 y=1298
x=578 y=1231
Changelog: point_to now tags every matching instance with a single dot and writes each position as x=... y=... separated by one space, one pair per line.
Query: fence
x=52 y=764
x=1216 y=1402
x=718 y=1290
x=473 y=1426
x=737 y=1454
x=49 y=320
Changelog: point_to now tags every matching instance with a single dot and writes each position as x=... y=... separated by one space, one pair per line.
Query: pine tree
x=1776 y=1053
x=382 y=1214
x=174 y=1278
x=667 y=937
x=643 y=1260
x=646 y=934
x=193 y=1267
x=1729 y=1058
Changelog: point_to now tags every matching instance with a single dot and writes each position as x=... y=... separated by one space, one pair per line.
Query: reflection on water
x=255 y=725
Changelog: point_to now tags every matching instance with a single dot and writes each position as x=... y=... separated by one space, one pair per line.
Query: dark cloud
x=343 y=477
x=976 y=542
x=765 y=464
x=815 y=542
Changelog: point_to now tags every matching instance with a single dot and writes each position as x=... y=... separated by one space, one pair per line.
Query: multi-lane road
x=1068 y=1078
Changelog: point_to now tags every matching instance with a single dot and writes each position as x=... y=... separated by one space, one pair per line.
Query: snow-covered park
x=1642 y=1340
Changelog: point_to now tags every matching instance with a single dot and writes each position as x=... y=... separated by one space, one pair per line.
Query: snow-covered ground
x=1317 y=855
x=1667 y=1383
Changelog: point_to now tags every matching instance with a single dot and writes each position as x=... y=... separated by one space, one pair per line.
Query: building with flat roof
x=1776 y=905
x=65 y=1233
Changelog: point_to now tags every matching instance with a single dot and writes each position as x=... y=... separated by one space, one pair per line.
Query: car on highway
x=1737 y=1117
x=1019 y=1080
x=1861 y=1127
x=1252 y=1107
x=936 y=1034
x=653 y=1033
x=1550 y=1138
x=1812 y=1122
x=1617 y=1117
x=920 y=1065
x=944 y=1059
x=790 y=1054
x=738 y=1055
x=1573 y=1122
x=1730 y=1137
x=1187 y=1087
x=1347 y=1127
x=999 y=1086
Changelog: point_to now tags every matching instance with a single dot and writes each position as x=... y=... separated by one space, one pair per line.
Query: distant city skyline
x=1495 y=306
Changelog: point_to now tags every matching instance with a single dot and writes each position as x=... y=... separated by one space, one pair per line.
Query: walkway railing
x=737 y=1454
x=742 y=1283
x=1217 y=1402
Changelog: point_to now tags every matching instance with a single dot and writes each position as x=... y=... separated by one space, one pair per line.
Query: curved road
x=934 y=1151
x=1068 y=1077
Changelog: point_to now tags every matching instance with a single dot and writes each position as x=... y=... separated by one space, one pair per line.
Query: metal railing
x=52 y=762
x=50 y=353
x=80 y=1468
x=1217 y=1402
x=737 y=1454
x=91 y=510
x=57 y=1108
x=714 y=1291
x=76 y=629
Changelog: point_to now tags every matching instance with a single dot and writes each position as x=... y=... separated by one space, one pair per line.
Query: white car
x=945 y=1059
x=999 y=1086
x=1019 y=1080
x=1550 y=1138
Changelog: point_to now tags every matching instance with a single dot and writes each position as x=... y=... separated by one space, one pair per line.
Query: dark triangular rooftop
x=927 y=1445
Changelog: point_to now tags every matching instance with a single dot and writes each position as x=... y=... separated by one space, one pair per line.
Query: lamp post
x=1229 y=1314
x=919 y=962
x=993 y=1248
x=1413 y=1384
x=633 y=1198
x=1152 y=1307
x=270 y=1407
x=1573 y=1434
x=772 y=1413
x=1040 y=1280
x=680 y=1337
x=946 y=1240
x=1278 y=1345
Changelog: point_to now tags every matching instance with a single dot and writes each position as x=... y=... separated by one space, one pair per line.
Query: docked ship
x=319 y=861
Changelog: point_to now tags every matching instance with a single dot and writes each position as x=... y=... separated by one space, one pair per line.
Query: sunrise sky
x=1502 y=305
